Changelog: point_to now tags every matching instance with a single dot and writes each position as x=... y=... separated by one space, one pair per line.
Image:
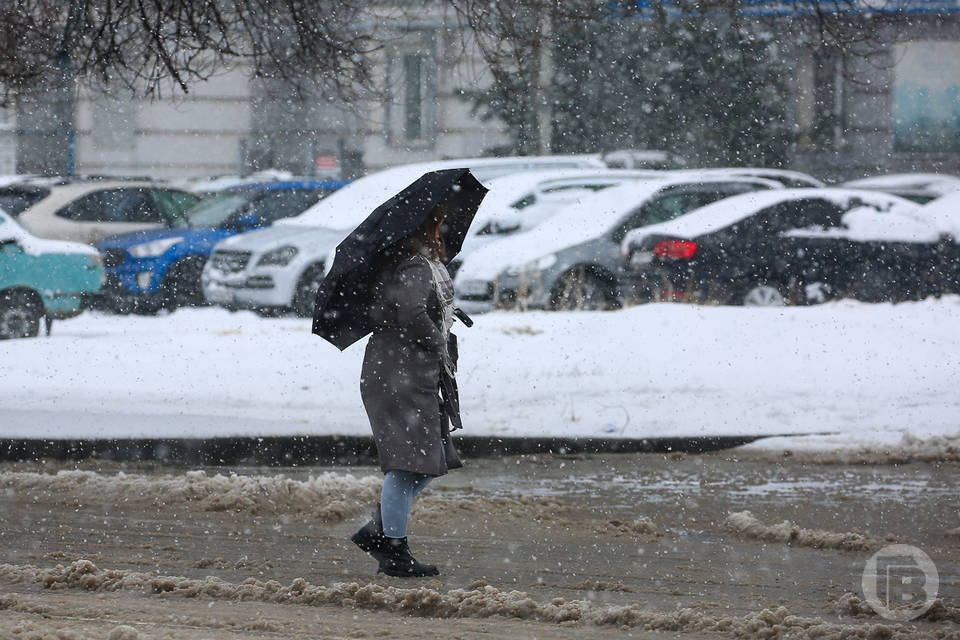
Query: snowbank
x=329 y=496
x=852 y=447
x=476 y=601
x=746 y=524
x=863 y=375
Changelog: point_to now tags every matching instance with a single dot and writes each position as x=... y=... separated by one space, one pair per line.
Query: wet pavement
x=646 y=531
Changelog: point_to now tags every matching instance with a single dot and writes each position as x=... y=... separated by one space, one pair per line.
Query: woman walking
x=406 y=357
x=389 y=278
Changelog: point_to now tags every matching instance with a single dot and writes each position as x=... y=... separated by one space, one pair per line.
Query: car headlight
x=534 y=267
x=279 y=257
x=545 y=262
x=154 y=248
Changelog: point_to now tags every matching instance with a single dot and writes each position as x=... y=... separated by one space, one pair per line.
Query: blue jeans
x=396 y=498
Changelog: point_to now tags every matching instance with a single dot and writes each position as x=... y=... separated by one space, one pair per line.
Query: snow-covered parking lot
x=866 y=373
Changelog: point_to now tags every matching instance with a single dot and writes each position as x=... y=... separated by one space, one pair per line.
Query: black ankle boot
x=395 y=560
x=370 y=537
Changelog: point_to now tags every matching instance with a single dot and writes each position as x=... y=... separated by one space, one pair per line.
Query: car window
x=675 y=202
x=525 y=201
x=274 y=205
x=670 y=199
x=16 y=200
x=669 y=207
x=112 y=205
x=807 y=213
x=215 y=210
x=173 y=203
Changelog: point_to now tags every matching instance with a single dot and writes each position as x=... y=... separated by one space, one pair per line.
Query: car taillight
x=676 y=249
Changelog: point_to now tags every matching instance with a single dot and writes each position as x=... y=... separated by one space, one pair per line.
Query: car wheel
x=181 y=287
x=19 y=315
x=304 y=298
x=581 y=290
x=763 y=294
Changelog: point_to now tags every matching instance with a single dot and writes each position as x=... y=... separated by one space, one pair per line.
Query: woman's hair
x=429 y=238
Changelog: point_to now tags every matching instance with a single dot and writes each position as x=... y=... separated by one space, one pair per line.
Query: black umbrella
x=340 y=316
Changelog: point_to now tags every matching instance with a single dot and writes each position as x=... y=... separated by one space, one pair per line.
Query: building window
x=926 y=97
x=411 y=109
x=828 y=113
x=820 y=100
x=413 y=85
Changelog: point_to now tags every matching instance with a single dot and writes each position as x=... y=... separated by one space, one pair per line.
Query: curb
x=333 y=450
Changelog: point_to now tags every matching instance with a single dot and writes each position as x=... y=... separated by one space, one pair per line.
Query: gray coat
x=400 y=379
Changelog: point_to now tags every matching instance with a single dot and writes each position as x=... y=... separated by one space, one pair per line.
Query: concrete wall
x=866 y=146
x=201 y=133
x=289 y=131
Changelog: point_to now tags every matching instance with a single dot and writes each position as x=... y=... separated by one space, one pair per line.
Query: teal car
x=42 y=279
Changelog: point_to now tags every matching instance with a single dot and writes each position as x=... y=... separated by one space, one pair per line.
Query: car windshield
x=15 y=200
x=215 y=210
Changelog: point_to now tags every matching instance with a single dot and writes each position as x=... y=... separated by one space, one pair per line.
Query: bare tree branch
x=143 y=45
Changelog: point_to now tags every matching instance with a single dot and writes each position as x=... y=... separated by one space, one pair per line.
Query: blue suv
x=150 y=270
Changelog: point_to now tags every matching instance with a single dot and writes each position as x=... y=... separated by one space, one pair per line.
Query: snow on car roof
x=944 y=213
x=10 y=229
x=581 y=221
x=505 y=191
x=14 y=179
x=934 y=182
x=348 y=206
x=758 y=172
x=573 y=224
x=728 y=211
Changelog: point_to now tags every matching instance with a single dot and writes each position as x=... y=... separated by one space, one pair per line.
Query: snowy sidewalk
x=870 y=373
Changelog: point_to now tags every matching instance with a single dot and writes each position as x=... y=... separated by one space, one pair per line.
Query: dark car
x=791 y=246
x=149 y=270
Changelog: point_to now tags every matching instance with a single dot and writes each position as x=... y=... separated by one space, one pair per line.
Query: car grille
x=113 y=258
x=230 y=261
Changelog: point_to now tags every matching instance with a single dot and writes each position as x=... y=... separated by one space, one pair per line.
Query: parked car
x=149 y=270
x=572 y=259
x=279 y=269
x=519 y=202
x=792 y=246
x=919 y=187
x=789 y=179
x=642 y=159
x=91 y=210
x=944 y=214
x=41 y=279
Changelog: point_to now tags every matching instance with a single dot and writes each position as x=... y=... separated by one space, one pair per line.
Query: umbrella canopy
x=341 y=312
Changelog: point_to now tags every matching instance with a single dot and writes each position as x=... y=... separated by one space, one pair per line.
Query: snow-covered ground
x=866 y=374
